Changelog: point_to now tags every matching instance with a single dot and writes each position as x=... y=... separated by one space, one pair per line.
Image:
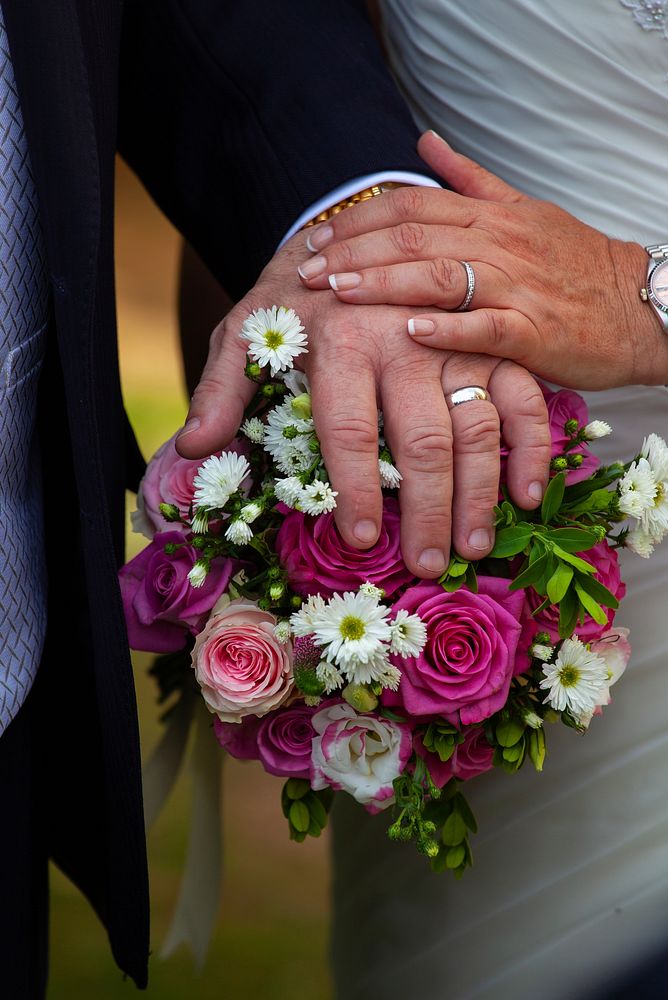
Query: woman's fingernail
x=365 y=532
x=319 y=238
x=344 y=282
x=440 y=138
x=313 y=267
x=480 y=539
x=432 y=561
x=535 y=491
x=189 y=426
x=418 y=326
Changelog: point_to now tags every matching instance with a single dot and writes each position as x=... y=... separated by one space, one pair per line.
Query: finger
x=426 y=205
x=418 y=431
x=462 y=174
x=409 y=241
x=343 y=391
x=504 y=333
x=441 y=282
x=526 y=432
x=476 y=437
x=218 y=402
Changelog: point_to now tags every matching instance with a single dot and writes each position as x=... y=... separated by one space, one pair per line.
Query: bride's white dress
x=568 y=101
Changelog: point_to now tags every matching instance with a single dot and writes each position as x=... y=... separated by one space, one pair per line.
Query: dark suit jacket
x=236 y=115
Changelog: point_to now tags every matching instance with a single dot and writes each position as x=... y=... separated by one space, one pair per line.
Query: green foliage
x=306 y=810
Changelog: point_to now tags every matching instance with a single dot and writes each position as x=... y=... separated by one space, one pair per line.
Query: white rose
x=358 y=754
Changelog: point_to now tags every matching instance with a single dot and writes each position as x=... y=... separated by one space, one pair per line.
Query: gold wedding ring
x=466 y=395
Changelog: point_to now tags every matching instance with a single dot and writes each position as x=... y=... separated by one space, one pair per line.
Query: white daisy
x=282 y=631
x=409 y=634
x=253 y=428
x=655 y=450
x=318 y=498
x=302 y=620
x=372 y=591
x=654 y=519
x=390 y=477
x=219 y=478
x=328 y=675
x=295 y=456
x=637 y=488
x=250 y=512
x=289 y=491
x=275 y=337
x=238 y=532
x=640 y=543
x=351 y=627
x=197 y=574
x=597 y=429
x=574 y=681
x=376 y=670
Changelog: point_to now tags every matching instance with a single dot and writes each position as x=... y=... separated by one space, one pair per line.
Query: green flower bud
x=314 y=446
x=360 y=697
x=170 y=512
x=559 y=464
x=170 y=548
x=575 y=461
x=571 y=427
x=290 y=432
x=277 y=590
x=253 y=371
x=301 y=406
x=264 y=604
x=543 y=638
x=307 y=681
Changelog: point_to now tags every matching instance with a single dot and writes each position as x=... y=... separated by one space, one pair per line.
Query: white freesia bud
x=597 y=429
x=197 y=574
x=238 y=532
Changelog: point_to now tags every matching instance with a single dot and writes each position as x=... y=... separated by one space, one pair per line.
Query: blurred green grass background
x=270 y=941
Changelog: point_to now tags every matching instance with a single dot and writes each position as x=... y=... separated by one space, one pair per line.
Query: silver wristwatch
x=656 y=292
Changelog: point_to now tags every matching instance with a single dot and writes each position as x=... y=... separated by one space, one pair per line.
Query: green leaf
x=554 y=494
x=573 y=539
x=297 y=788
x=439 y=863
x=472 y=579
x=457 y=568
x=531 y=574
x=559 y=582
x=600 y=593
x=591 y=606
x=537 y=748
x=464 y=810
x=513 y=754
x=511 y=541
x=314 y=829
x=509 y=733
x=568 y=614
x=454 y=829
x=572 y=560
x=300 y=817
x=455 y=856
x=317 y=811
x=450 y=586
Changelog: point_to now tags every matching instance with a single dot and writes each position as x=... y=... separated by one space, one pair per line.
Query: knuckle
x=406 y=202
x=442 y=276
x=480 y=433
x=495 y=328
x=427 y=449
x=343 y=258
x=409 y=239
x=350 y=434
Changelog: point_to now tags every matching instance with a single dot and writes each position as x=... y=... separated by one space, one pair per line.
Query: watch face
x=659 y=285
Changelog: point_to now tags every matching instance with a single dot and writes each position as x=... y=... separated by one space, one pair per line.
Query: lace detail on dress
x=651 y=15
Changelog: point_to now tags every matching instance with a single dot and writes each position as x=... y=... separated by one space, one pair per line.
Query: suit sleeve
x=237 y=115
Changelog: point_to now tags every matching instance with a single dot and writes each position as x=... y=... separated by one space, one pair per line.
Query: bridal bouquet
x=338 y=669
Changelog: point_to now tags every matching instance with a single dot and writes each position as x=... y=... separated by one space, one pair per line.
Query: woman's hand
x=551 y=293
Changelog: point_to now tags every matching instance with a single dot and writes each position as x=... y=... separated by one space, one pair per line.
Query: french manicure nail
x=344 y=282
x=190 y=426
x=440 y=138
x=432 y=561
x=313 y=267
x=535 y=491
x=319 y=238
x=480 y=539
x=418 y=326
x=365 y=532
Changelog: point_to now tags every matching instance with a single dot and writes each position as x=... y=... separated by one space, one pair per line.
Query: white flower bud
x=238 y=532
x=253 y=429
x=197 y=574
x=541 y=652
x=250 y=512
x=597 y=429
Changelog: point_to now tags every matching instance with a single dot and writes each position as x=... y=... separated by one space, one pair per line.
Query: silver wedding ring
x=466 y=395
x=470 y=286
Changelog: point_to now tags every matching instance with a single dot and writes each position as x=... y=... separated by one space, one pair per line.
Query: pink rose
x=604 y=558
x=471 y=758
x=318 y=561
x=161 y=607
x=168 y=479
x=280 y=740
x=239 y=663
x=464 y=671
x=359 y=754
x=563 y=405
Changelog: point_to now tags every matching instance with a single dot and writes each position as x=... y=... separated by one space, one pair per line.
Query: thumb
x=463 y=175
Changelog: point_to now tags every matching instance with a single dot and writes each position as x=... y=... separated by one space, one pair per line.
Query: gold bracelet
x=354 y=199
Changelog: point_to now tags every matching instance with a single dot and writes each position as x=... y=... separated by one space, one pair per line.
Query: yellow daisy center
x=569 y=675
x=273 y=339
x=352 y=627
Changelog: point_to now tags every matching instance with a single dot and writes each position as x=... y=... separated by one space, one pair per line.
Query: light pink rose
x=604 y=558
x=472 y=757
x=358 y=754
x=161 y=607
x=318 y=561
x=464 y=671
x=169 y=479
x=281 y=740
x=239 y=663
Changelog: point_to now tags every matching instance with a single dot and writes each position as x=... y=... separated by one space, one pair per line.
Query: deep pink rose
x=239 y=663
x=161 y=607
x=472 y=757
x=604 y=558
x=464 y=671
x=169 y=479
x=318 y=561
x=563 y=405
x=280 y=740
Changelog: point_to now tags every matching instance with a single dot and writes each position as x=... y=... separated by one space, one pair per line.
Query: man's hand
x=359 y=360
x=553 y=294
